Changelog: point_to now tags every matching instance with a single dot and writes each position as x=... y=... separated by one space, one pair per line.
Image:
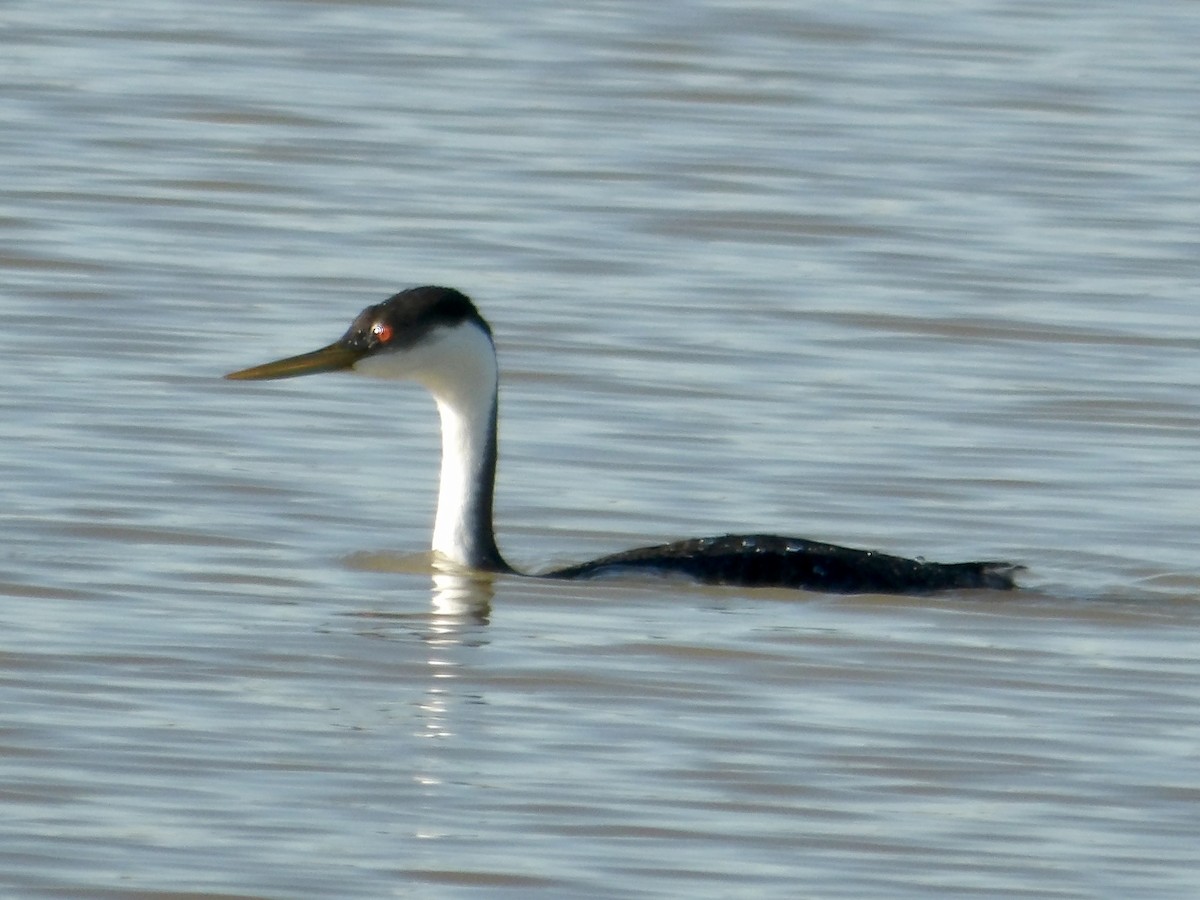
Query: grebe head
x=433 y=335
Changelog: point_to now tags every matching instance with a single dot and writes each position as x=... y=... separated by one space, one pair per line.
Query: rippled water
x=919 y=279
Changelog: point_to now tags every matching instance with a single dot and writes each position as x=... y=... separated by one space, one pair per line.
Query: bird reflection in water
x=460 y=609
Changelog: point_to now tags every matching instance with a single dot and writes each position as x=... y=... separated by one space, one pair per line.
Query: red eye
x=382 y=332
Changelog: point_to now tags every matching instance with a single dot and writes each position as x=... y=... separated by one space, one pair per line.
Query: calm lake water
x=919 y=277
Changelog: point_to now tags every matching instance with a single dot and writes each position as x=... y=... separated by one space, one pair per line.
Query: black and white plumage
x=436 y=336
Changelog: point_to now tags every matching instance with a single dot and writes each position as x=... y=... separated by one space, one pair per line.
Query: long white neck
x=458 y=366
x=463 y=530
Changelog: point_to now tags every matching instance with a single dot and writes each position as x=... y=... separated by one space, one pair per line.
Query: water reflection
x=459 y=598
x=452 y=629
x=461 y=604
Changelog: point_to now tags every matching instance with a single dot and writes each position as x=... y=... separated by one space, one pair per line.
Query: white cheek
x=458 y=366
x=454 y=363
x=400 y=365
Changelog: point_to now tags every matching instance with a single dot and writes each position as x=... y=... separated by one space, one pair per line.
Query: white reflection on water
x=459 y=598
x=461 y=605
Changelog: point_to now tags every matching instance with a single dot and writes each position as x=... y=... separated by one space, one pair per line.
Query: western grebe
x=436 y=336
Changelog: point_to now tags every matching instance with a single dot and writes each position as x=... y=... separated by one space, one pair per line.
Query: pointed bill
x=328 y=359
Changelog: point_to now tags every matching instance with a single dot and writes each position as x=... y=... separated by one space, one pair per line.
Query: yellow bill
x=328 y=359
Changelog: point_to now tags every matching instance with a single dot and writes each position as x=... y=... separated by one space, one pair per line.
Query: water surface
x=920 y=281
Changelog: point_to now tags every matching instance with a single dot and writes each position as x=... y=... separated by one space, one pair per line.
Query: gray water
x=919 y=277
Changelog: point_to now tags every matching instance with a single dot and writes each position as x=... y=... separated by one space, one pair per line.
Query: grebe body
x=436 y=336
